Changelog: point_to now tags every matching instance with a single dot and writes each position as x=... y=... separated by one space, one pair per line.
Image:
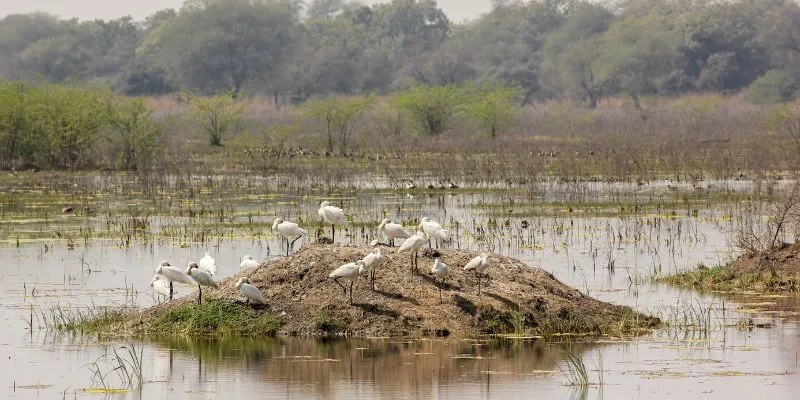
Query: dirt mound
x=515 y=298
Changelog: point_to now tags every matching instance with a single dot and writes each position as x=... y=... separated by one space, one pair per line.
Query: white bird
x=440 y=270
x=288 y=229
x=160 y=285
x=433 y=229
x=393 y=231
x=347 y=271
x=332 y=215
x=248 y=262
x=413 y=244
x=202 y=278
x=172 y=274
x=208 y=264
x=478 y=264
x=249 y=291
x=410 y=185
x=371 y=262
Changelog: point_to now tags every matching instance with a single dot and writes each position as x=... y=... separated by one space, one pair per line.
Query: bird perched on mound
x=172 y=274
x=248 y=262
x=288 y=229
x=347 y=271
x=393 y=231
x=434 y=230
x=440 y=271
x=202 y=278
x=249 y=291
x=208 y=264
x=160 y=285
x=332 y=215
x=371 y=262
x=478 y=264
x=413 y=244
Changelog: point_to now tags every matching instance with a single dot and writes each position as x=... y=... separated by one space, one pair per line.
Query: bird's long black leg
x=344 y=290
x=170 y=290
x=351 y=290
x=199 y=294
x=296 y=239
x=333 y=233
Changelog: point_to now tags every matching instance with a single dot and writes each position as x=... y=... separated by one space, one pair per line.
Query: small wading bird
x=248 y=262
x=172 y=274
x=434 y=230
x=288 y=229
x=208 y=264
x=332 y=215
x=413 y=244
x=202 y=278
x=440 y=271
x=393 y=231
x=478 y=264
x=371 y=262
x=249 y=291
x=347 y=271
x=160 y=285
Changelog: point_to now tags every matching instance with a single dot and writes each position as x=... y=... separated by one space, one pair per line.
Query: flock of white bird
x=201 y=273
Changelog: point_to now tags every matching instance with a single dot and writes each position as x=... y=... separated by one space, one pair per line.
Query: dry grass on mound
x=515 y=299
x=776 y=270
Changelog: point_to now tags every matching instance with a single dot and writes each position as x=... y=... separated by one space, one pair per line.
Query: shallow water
x=608 y=245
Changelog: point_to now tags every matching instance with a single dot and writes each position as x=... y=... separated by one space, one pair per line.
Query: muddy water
x=614 y=238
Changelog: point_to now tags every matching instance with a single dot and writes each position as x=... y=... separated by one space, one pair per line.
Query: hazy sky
x=457 y=10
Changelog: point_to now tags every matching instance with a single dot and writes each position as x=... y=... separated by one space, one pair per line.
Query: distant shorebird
x=248 y=262
x=332 y=215
x=160 y=285
x=208 y=264
x=434 y=230
x=288 y=229
x=250 y=292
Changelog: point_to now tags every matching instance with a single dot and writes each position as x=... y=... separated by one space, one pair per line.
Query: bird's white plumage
x=332 y=215
x=392 y=230
x=249 y=291
x=208 y=264
x=478 y=264
x=160 y=285
x=248 y=262
x=440 y=269
x=348 y=271
x=288 y=229
x=414 y=242
x=173 y=274
x=433 y=229
x=202 y=278
x=373 y=260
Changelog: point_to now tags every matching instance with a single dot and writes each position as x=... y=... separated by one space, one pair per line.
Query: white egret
x=248 y=262
x=478 y=264
x=433 y=229
x=371 y=262
x=440 y=270
x=250 y=291
x=347 y=271
x=160 y=285
x=413 y=244
x=393 y=231
x=172 y=274
x=288 y=229
x=208 y=264
x=202 y=278
x=332 y=215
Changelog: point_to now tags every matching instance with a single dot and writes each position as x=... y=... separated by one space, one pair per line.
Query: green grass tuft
x=216 y=318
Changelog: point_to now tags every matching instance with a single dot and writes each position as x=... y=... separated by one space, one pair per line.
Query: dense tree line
x=293 y=50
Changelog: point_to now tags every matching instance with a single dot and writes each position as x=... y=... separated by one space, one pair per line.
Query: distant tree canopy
x=292 y=49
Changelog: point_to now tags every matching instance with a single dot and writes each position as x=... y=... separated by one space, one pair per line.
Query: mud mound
x=514 y=298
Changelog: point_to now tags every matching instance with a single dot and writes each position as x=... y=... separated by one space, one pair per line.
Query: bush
x=432 y=108
x=218 y=116
x=775 y=86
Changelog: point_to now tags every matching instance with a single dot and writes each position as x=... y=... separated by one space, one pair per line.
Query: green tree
x=218 y=116
x=134 y=136
x=432 y=108
x=338 y=116
x=495 y=108
x=224 y=45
